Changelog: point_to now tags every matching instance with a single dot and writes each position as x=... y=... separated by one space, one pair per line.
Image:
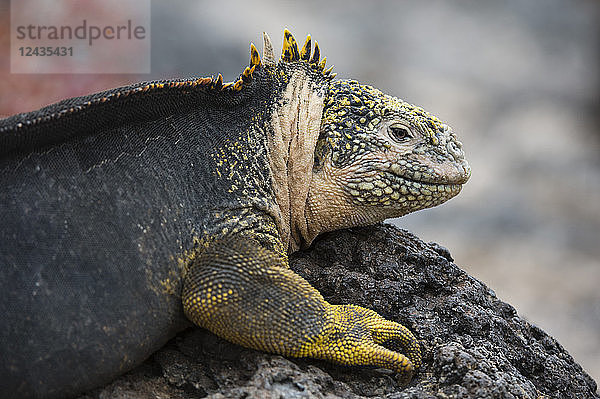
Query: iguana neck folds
x=296 y=123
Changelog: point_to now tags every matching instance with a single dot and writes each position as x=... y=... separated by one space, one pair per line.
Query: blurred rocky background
x=518 y=80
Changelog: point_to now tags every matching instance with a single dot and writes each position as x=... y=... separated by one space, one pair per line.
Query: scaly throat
x=296 y=122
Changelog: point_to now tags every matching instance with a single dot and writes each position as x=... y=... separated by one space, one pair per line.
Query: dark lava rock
x=474 y=345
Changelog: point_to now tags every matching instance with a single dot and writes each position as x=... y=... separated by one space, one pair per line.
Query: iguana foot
x=354 y=337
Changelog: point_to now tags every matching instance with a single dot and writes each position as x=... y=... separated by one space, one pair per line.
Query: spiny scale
x=290 y=47
x=268 y=58
x=218 y=84
x=254 y=55
x=247 y=74
x=306 y=49
x=322 y=63
x=316 y=55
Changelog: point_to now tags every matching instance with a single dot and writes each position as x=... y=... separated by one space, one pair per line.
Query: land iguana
x=122 y=212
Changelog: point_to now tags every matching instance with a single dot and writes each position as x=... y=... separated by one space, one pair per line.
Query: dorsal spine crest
x=290 y=53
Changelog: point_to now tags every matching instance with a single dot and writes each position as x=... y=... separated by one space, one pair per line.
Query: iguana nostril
x=455 y=149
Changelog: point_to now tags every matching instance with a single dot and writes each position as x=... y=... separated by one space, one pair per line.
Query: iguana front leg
x=246 y=294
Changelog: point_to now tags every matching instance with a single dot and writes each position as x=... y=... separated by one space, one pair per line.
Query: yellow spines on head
x=237 y=86
x=218 y=82
x=204 y=81
x=306 y=49
x=290 y=47
x=254 y=55
x=247 y=74
x=321 y=65
x=291 y=53
x=316 y=55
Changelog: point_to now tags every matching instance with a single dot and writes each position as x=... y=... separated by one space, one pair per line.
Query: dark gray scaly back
x=99 y=195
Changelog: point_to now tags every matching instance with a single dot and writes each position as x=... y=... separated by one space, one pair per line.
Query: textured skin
x=121 y=206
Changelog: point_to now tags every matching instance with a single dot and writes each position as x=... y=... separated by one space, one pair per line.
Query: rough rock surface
x=474 y=345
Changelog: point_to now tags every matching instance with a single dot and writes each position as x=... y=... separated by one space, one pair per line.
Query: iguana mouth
x=450 y=175
x=390 y=188
x=397 y=178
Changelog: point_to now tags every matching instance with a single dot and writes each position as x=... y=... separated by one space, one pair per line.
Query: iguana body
x=119 y=207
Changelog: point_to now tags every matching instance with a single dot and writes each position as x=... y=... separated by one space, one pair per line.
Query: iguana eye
x=399 y=133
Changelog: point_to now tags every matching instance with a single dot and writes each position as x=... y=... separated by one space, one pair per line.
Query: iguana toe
x=354 y=337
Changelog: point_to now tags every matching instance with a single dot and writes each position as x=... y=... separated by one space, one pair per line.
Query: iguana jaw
x=354 y=197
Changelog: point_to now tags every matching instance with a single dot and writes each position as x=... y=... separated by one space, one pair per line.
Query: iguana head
x=382 y=157
x=378 y=157
x=345 y=154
